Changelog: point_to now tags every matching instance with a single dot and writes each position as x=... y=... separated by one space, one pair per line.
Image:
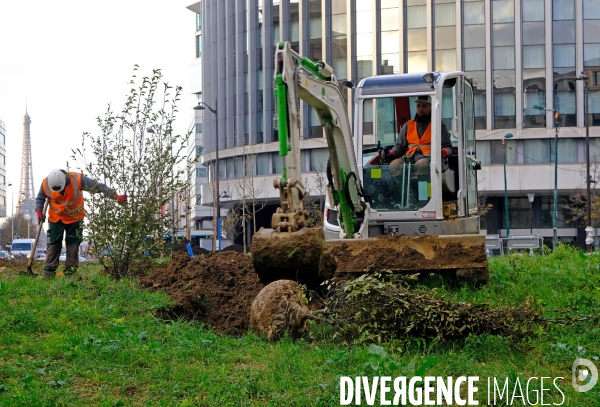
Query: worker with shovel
x=65 y=215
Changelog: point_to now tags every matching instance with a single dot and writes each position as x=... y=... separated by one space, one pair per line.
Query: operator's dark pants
x=74 y=237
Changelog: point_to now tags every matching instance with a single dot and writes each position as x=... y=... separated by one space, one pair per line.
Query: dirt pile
x=217 y=289
x=197 y=250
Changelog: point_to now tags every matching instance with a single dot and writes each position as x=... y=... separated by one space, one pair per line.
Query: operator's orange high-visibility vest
x=414 y=142
x=67 y=207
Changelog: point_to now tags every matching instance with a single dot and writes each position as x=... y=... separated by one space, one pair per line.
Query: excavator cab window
x=393 y=184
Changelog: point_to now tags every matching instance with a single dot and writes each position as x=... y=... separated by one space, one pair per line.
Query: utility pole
x=589 y=230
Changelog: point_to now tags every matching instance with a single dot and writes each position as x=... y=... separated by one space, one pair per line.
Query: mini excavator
x=414 y=219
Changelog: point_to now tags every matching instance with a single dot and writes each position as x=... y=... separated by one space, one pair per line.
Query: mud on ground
x=216 y=289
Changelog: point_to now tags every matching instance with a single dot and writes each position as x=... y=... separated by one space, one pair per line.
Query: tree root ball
x=278 y=308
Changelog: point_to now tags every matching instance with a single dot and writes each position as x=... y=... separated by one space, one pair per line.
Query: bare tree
x=249 y=188
x=577 y=205
x=314 y=202
x=232 y=225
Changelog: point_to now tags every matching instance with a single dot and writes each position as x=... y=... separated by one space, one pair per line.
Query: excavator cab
x=415 y=198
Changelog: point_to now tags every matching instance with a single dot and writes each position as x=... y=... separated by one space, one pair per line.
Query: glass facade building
x=517 y=53
x=3 y=181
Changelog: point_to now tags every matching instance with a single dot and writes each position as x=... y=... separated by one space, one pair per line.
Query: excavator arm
x=297 y=77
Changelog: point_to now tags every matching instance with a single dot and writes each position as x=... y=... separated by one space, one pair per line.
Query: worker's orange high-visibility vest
x=414 y=142
x=67 y=207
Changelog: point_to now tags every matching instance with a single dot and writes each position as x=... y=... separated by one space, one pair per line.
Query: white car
x=63 y=257
x=40 y=254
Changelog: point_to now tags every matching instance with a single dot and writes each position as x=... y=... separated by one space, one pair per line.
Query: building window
x=497 y=152
x=200 y=172
x=318 y=159
x=199 y=151
x=198 y=46
x=198 y=199
x=474 y=12
x=533 y=10
x=198 y=21
x=262 y=164
x=277 y=163
x=198 y=127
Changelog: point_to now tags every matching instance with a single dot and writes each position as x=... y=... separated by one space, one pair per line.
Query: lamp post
x=221 y=195
x=531 y=197
x=216 y=213
x=556 y=125
x=589 y=240
x=506 y=224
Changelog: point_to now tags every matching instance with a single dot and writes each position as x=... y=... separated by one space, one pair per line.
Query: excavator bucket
x=297 y=256
x=463 y=254
x=305 y=257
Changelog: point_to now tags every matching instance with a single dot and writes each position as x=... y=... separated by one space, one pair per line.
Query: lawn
x=96 y=341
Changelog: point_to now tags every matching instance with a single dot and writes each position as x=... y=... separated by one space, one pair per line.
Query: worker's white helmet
x=57 y=180
x=426 y=99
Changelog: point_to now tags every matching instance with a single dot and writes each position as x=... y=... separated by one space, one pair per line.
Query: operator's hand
x=121 y=198
x=40 y=215
x=389 y=154
x=445 y=152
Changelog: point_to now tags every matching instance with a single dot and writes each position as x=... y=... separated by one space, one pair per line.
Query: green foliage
x=380 y=308
x=136 y=152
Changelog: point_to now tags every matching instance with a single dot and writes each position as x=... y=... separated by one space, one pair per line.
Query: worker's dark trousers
x=73 y=239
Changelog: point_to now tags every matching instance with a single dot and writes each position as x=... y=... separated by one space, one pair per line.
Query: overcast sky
x=67 y=59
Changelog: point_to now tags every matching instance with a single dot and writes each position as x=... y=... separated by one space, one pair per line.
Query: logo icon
x=585 y=375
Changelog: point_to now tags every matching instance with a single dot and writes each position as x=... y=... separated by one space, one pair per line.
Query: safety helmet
x=57 y=180
x=426 y=99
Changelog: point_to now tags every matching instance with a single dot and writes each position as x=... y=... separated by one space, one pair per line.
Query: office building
x=518 y=53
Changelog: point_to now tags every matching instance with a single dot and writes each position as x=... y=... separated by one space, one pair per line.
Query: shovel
x=29 y=271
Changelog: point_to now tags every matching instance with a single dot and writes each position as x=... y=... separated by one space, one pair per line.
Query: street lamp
x=506 y=225
x=589 y=240
x=216 y=213
x=225 y=195
x=531 y=197
x=556 y=125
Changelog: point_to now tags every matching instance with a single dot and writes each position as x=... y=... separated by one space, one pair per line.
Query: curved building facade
x=518 y=53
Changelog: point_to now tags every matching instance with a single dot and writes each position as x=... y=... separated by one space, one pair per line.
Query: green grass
x=96 y=342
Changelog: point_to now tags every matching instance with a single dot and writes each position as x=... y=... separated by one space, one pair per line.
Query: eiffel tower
x=26 y=204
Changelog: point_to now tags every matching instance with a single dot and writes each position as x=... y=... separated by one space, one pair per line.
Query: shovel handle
x=37 y=237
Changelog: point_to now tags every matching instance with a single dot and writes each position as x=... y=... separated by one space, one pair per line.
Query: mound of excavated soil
x=238 y=248
x=197 y=250
x=217 y=289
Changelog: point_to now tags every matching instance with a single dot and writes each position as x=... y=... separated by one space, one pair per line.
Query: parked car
x=63 y=257
x=21 y=248
x=4 y=255
x=40 y=254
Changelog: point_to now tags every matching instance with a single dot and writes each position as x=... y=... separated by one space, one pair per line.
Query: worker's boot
x=49 y=272
x=72 y=259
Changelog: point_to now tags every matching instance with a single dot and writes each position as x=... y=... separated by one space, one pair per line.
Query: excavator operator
x=413 y=144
